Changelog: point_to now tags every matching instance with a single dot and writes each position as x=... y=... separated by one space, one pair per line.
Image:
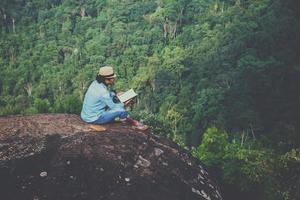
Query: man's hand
x=126 y=103
x=119 y=93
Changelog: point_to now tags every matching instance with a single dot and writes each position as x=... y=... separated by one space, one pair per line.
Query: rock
x=55 y=156
x=43 y=174
x=158 y=151
x=143 y=162
x=127 y=179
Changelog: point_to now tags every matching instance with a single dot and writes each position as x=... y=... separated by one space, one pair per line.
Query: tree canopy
x=219 y=77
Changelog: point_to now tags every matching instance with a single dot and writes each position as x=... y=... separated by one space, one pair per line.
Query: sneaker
x=120 y=120
x=140 y=126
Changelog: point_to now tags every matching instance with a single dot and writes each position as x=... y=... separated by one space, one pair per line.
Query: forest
x=219 y=77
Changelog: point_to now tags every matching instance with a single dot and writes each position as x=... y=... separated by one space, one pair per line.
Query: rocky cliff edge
x=56 y=156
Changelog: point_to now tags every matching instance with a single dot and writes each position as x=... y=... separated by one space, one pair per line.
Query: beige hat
x=107 y=72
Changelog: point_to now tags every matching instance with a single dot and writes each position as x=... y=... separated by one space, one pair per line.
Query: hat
x=107 y=72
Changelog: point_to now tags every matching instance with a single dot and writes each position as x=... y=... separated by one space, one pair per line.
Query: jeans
x=110 y=115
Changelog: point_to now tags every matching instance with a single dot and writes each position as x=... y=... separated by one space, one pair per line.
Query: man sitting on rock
x=100 y=105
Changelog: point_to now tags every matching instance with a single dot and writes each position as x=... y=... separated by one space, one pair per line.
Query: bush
x=250 y=167
x=42 y=105
x=72 y=104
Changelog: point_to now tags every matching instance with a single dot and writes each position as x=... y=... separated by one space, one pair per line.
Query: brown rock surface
x=56 y=156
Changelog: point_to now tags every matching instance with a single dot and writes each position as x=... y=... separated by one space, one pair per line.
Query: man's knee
x=118 y=109
x=119 y=112
x=123 y=114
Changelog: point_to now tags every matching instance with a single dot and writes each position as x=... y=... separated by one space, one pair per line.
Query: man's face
x=109 y=81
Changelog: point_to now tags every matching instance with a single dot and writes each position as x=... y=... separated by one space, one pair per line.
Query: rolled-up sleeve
x=108 y=100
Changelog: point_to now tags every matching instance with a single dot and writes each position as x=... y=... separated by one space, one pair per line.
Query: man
x=100 y=105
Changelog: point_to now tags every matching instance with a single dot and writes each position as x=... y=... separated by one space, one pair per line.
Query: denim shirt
x=97 y=100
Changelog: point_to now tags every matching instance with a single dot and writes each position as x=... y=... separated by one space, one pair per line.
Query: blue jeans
x=110 y=115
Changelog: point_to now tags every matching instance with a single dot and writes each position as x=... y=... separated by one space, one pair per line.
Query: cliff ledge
x=55 y=156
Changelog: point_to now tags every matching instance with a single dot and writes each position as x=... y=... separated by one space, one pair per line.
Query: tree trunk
x=152 y=84
x=252 y=132
x=181 y=16
x=14 y=27
x=28 y=89
x=82 y=12
x=166 y=29
x=5 y=24
x=174 y=30
x=12 y=54
x=82 y=89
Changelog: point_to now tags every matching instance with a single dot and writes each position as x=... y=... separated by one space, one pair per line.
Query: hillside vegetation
x=219 y=77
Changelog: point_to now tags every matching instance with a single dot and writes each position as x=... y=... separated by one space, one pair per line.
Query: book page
x=127 y=95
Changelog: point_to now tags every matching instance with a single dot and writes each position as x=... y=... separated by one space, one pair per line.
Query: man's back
x=93 y=105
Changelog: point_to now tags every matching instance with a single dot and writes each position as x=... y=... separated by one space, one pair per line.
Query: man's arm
x=126 y=103
x=108 y=100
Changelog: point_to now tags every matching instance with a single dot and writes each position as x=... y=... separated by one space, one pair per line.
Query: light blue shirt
x=97 y=100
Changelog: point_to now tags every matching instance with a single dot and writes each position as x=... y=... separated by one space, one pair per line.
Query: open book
x=127 y=95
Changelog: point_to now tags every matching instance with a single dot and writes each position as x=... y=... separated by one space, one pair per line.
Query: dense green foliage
x=246 y=165
x=220 y=77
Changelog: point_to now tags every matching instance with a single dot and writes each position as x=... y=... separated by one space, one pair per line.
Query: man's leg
x=110 y=115
x=137 y=124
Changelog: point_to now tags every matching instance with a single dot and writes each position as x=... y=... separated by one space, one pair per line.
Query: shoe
x=120 y=120
x=140 y=126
